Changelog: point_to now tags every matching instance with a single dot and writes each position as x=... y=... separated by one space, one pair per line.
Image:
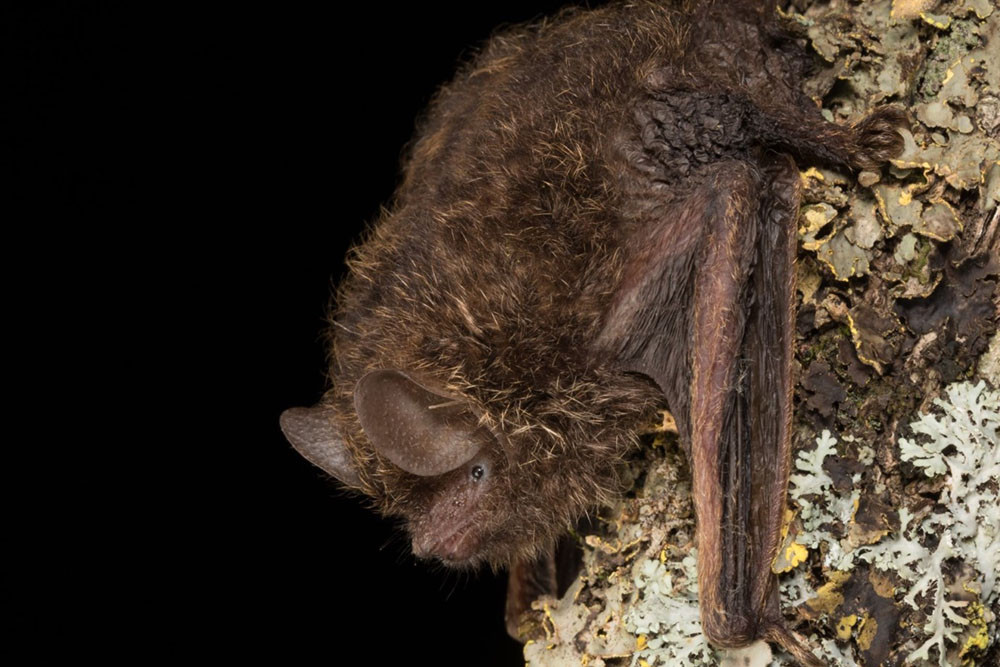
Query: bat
x=597 y=220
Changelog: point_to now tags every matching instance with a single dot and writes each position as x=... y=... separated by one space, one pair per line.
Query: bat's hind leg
x=550 y=573
x=867 y=144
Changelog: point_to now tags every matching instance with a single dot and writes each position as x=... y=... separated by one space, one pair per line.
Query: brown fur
x=534 y=173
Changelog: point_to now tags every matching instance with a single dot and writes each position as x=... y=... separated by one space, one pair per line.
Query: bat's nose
x=422 y=548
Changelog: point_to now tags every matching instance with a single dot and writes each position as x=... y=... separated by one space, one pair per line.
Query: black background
x=196 y=176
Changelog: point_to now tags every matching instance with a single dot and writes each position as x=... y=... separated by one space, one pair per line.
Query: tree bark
x=892 y=549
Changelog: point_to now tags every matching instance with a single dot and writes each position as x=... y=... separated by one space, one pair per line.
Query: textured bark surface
x=891 y=551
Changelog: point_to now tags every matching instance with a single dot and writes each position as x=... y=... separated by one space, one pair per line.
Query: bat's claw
x=876 y=139
x=777 y=633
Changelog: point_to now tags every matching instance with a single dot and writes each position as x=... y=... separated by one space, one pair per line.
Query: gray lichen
x=959 y=534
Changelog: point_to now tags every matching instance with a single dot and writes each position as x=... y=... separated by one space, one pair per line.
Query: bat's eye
x=477 y=472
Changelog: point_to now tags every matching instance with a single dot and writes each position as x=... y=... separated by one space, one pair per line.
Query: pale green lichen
x=900 y=553
x=962 y=442
x=668 y=614
x=815 y=481
x=959 y=441
x=796 y=589
x=946 y=557
x=818 y=507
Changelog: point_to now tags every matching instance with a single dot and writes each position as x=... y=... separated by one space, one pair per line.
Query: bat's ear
x=423 y=432
x=314 y=435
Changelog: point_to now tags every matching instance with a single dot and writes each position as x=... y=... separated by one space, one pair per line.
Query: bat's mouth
x=455 y=544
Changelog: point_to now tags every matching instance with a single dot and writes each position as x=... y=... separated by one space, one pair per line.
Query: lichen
x=892 y=498
x=668 y=614
x=957 y=441
x=939 y=563
x=818 y=507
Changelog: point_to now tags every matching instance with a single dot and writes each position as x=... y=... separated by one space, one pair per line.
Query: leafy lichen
x=668 y=615
x=958 y=441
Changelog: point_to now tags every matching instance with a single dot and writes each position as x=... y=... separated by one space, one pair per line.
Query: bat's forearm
x=718 y=323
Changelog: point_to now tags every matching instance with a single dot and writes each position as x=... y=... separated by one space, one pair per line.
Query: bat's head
x=437 y=464
x=478 y=475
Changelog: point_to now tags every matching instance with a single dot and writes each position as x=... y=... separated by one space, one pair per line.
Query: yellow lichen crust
x=845 y=626
x=975 y=646
x=867 y=630
x=828 y=596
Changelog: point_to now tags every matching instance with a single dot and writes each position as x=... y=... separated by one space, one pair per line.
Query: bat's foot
x=876 y=139
x=867 y=144
x=527 y=580
x=777 y=633
x=739 y=631
x=551 y=573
